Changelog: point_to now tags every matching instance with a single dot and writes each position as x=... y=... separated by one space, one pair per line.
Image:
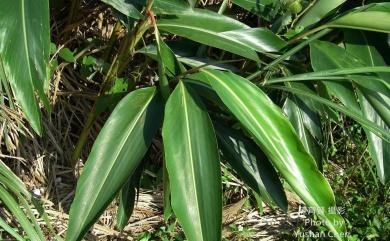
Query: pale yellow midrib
x=131 y=128
x=182 y=87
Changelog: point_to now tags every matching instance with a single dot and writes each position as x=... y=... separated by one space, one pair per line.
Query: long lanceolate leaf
x=14 y=194
x=261 y=8
x=326 y=55
x=115 y=155
x=320 y=9
x=127 y=198
x=224 y=33
x=356 y=115
x=19 y=215
x=277 y=138
x=24 y=52
x=295 y=110
x=359 y=45
x=196 y=26
x=251 y=165
x=192 y=161
x=333 y=74
x=323 y=57
x=373 y=17
x=126 y=7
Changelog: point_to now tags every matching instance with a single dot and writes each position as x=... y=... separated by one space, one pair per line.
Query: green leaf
x=196 y=26
x=116 y=153
x=225 y=33
x=126 y=7
x=356 y=115
x=324 y=56
x=19 y=215
x=168 y=60
x=320 y=9
x=373 y=17
x=379 y=149
x=11 y=231
x=193 y=166
x=277 y=138
x=161 y=7
x=127 y=197
x=67 y=55
x=24 y=52
x=375 y=90
x=259 y=39
x=192 y=3
x=332 y=74
x=193 y=61
x=260 y=8
x=251 y=165
x=359 y=45
x=297 y=113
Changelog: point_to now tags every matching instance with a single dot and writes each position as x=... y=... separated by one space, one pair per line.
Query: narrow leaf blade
x=114 y=157
x=277 y=138
x=192 y=162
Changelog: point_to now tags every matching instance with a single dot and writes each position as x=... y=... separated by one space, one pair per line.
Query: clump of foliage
x=251 y=90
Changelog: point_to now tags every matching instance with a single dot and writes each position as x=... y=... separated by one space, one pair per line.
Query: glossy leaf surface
x=193 y=166
x=126 y=7
x=24 y=52
x=225 y=33
x=277 y=138
x=116 y=153
x=373 y=17
x=260 y=8
x=325 y=55
x=320 y=9
x=196 y=26
x=298 y=113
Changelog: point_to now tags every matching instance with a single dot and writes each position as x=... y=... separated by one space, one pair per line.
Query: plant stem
x=289 y=53
x=126 y=50
x=111 y=42
x=223 y=7
x=74 y=8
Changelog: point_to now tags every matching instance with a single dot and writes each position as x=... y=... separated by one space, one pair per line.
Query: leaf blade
x=251 y=165
x=277 y=138
x=115 y=155
x=25 y=53
x=192 y=162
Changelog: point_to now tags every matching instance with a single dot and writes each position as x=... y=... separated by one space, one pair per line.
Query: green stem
x=223 y=7
x=288 y=53
x=111 y=42
x=126 y=51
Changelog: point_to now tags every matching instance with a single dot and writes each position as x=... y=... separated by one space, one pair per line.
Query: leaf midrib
x=24 y=31
x=218 y=34
x=187 y=124
x=250 y=114
x=123 y=142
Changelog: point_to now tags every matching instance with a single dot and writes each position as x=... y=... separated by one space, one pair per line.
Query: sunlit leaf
x=114 y=157
x=192 y=162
